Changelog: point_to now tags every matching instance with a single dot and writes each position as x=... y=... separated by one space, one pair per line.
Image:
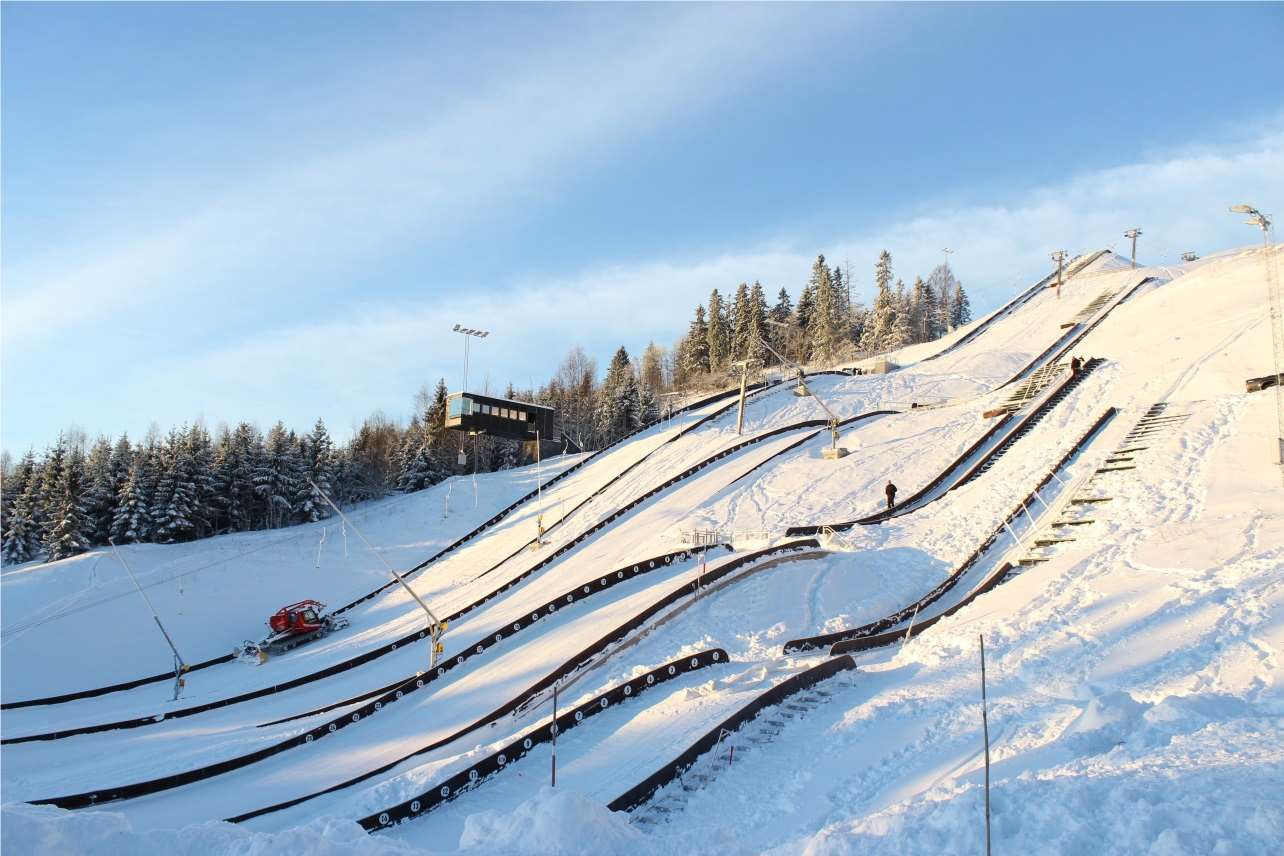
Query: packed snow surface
x=1133 y=666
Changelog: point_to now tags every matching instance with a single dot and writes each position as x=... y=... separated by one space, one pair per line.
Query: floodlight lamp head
x=1243 y=209
x=456 y=328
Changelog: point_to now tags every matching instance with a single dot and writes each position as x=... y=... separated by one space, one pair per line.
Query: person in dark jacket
x=1075 y=365
x=890 y=490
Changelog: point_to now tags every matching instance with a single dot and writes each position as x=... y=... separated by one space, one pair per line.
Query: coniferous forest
x=192 y=483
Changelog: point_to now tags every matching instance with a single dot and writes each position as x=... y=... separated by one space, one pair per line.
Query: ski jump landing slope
x=1121 y=559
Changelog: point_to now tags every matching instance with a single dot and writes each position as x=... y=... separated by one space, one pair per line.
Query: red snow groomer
x=291 y=626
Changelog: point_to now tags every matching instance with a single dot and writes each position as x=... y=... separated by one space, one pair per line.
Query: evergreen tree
x=200 y=451
x=695 y=355
x=917 y=306
x=758 y=328
x=67 y=534
x=132 y=521
x=50 y=496
x=960 y=308
x=21 y=522
x=276 y=479
x=718 y=336
x=174 y=507
x=781 y=313
x=822 y=327
x=803 y=322
x=320 y=465
x=100 y=491
x=740 y=323
x=619 y=405
x=15 y=484
x=901 y=332
x=877 y=335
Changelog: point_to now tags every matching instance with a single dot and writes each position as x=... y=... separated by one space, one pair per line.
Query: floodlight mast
x=1263 y=222
x=468 y=333
x=1134 y=233
x=1059 y=256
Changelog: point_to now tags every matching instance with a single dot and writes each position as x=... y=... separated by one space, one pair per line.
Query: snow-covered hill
x=1133 y=664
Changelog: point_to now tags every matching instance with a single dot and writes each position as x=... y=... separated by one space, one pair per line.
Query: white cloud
x=488 y=151
x=377 y=360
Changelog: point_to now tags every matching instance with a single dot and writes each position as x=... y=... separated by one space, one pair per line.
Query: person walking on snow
x=890 y=490
x=1075 y=365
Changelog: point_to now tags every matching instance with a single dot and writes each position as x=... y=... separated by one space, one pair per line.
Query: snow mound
x=553 y=823
x=44 y=829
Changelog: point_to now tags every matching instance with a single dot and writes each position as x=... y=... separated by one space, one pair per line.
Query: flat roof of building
x=503 y=402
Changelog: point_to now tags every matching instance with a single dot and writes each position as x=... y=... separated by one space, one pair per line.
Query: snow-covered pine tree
x=617 y=410
x=740 y=323
x=695 y=356
x=918 y=311
x=51 y=487
x=758 y=327
x=21 y=522
x=174 y=509
x=960 y=308
x=200 y=449
x=320 y=465
x=718 y=335
x=276 y=478
x=822 y=328
x=782 y=313
x=648 y=405
x=133 y=520
x=902 y=331
x=877 y=334
x=17 y=482
x=100 y=494
x=418 y=468
x=67 y=534
x=803 y=324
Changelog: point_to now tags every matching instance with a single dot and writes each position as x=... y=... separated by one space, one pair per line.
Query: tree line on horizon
x=191 y=484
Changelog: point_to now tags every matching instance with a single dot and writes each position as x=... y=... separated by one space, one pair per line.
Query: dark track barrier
x=404 y=684
x=503 y=513
x=414 y=636
x=640 y=793
x=397 y=691
x=570 y=667
x=811 y=643
x=473 y=776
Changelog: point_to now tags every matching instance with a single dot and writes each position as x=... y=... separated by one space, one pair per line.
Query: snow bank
x=553 y=823
x=1218 y=790
x=44 y=829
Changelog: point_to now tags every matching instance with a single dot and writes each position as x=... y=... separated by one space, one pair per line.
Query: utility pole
x=1134 y=233
x=1059 y=256
x=948 y=252
x=1261 y=221
x=744 y=379
x=468 y=333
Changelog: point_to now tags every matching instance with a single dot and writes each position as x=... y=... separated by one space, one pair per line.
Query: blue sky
x=262 y=211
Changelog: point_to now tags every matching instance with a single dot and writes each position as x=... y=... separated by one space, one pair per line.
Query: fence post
x=554 y=729
x=985 y=726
